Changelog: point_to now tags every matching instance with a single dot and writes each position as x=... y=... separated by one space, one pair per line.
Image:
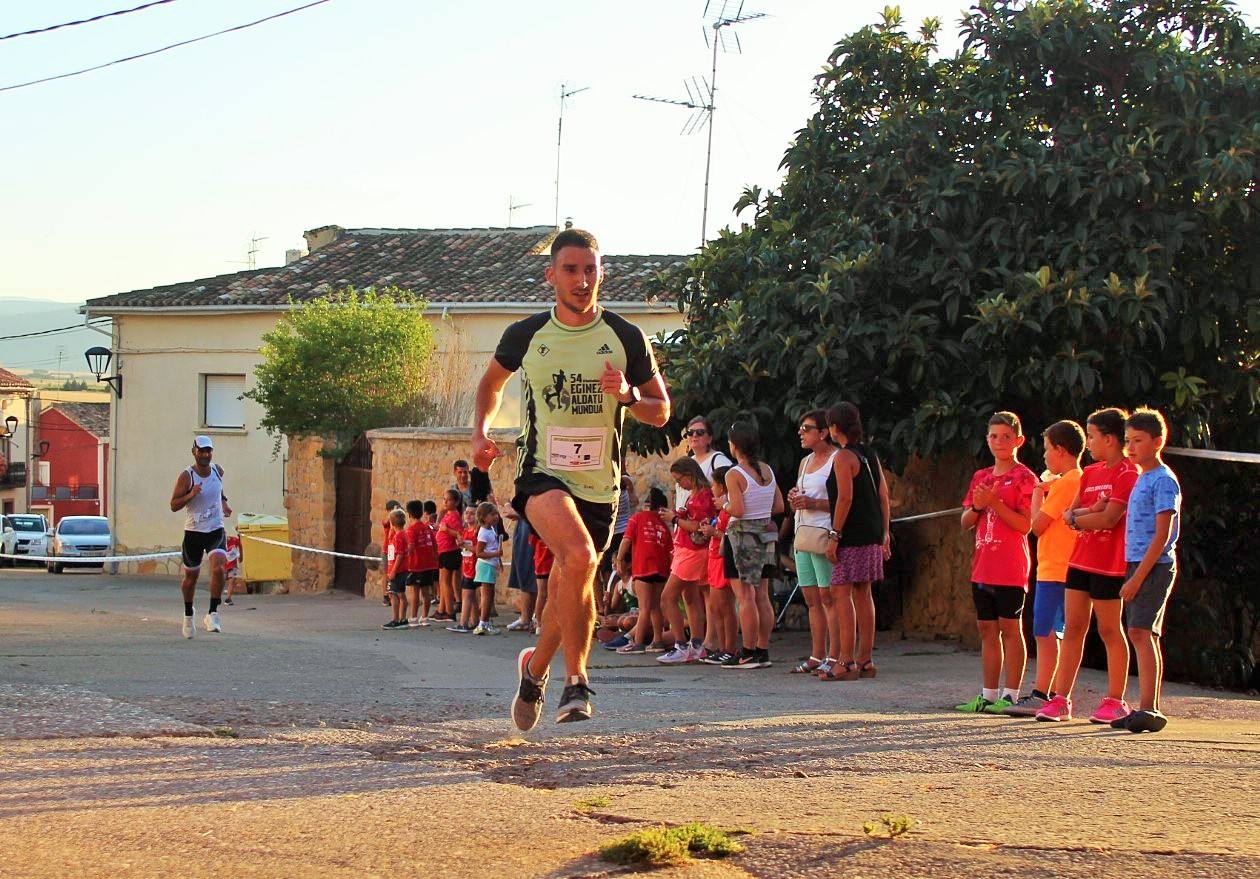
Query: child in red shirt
x=720 y=609
x=543 y=561
x=423 y=567
x=1096 y=569
x=644 y=556
x=999 y=507
x=397 y=554
x=468 y=556
x=387 y=534
x=448 y=544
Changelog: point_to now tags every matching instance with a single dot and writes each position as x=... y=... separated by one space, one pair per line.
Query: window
x=39 y=492
x=223 y=406
x=64 y=493
x=86 y=493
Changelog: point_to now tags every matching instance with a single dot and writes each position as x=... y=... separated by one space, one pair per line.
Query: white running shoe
x=413 y=622
x=212 y=623
x=678 y=656
x=190 y=627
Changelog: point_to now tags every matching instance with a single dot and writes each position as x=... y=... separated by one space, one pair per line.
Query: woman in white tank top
x=753 y=497
x=811 y=499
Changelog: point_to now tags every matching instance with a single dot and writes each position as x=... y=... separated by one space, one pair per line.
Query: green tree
x=346 y=363
x=1060 y=216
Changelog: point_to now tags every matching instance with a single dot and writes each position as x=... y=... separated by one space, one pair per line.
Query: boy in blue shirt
x=1150 y=542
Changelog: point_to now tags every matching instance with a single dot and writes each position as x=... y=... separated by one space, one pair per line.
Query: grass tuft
x=225 y=732
x=591 y=803
x=670 y=846
x=889 y=826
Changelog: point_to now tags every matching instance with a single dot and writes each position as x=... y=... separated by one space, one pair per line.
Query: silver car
x=8 y=542
x=32 y=533
x=79 y=539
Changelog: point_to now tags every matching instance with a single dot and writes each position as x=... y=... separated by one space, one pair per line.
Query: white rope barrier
x=921 y=516
x=90 y=559
x=340 y=555
x=1215 y=455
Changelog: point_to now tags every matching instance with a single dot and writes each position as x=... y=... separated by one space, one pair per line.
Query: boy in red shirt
x=468 y=555
x=387 y=534
x=644 y=556
x=999 y=507
x=1096 y=569
x=423 y=568
x=397 y=553
x=543 y=561
x=722 y=621
x=449 y=562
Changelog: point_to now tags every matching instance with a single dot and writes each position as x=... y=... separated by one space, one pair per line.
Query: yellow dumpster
x=264 y=561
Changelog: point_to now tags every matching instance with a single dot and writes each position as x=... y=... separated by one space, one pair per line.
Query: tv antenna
x=251 y=255
x=702 y=93
x=514 y=206
x=566 y=92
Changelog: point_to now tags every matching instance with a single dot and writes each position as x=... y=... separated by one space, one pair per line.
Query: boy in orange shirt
x=1065 y=440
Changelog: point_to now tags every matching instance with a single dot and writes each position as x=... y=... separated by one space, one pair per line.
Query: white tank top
x=204 y=512
x=814 y=486
x=758 y=499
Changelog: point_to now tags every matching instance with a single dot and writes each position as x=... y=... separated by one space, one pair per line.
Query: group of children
x=1106 y=542
x=451 y=559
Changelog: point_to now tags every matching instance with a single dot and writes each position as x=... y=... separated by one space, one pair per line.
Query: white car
x=8 y=542
x=32 y=533
x=79 y=540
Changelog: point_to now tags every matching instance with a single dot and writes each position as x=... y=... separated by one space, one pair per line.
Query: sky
x=384 y=113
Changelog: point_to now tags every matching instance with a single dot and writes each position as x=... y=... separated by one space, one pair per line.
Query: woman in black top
x=859 y=542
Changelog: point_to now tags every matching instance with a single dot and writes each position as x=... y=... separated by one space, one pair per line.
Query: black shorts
x=654 y=579
x=198 y=544
x=597 y=518
x=994 y=602
x=398 y=583
x=1100 y=587
x=450 y=561
x=728 y=561
x=422 y=578
x=467 y=583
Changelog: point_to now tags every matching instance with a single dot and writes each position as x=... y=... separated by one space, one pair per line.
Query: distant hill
x=61 y=351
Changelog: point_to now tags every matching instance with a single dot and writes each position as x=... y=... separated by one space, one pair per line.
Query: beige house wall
x=162 y=356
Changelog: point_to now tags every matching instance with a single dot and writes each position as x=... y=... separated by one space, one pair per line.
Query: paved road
x=306 y=740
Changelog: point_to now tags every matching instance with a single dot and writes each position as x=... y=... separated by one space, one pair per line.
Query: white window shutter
x=224 y=406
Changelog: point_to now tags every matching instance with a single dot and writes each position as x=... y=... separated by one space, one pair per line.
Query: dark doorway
x=354 y=515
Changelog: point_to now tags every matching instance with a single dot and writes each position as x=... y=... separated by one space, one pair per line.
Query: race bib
x=576 y=448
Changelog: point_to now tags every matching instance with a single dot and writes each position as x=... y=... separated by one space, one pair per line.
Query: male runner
x=570 y=451
x=199 y=491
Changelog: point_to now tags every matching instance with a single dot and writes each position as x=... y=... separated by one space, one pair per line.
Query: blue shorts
x=1048 y=609
x=487 y=574
x=812 y=569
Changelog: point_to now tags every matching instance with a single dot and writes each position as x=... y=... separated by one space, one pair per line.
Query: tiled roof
x=442 y=265
x=92 y=417
x=9 y=380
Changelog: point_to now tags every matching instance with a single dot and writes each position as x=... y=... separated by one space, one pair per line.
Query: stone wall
x=311 y=501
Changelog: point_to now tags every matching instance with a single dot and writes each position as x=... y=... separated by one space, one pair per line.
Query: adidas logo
x=604 y=349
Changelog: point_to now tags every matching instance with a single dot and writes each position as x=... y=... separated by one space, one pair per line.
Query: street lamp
x=98 y=359
x=10 y=427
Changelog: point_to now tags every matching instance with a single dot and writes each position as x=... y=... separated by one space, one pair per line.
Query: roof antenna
x=702 y=93
x=565 y=93
x=251 y=255
x=514 y=206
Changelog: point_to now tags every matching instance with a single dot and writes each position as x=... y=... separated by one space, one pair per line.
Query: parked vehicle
x=32 y=533
x=8 y=542
x=79 y=539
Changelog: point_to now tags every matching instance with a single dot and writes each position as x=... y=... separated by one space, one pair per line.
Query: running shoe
x=712 y=657
x=616 y=643
x=745 y=659
x=423 y=622
x=1000 y=706
x=1026 y=706
x=485 y=628
x=1110 y=710
x=659 y=647
x=975 y=706
x=1141 y=721
x=212 y=623
x=460 y=628
x=228 y=600
x=575 y=703
x=394 y=624
x=632 y=649
x=1057 y=710
x=190 y=626
x=693 y=651
x=385 y=599
x=680 y=655
x=527 y=704
x=764 y=655
x=517 y=625
x=413 y=622
x=442 y=618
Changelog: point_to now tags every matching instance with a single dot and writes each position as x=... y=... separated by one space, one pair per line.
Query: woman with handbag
x=859 y=543
x=689 y=567
x=699 y=438
x=813 y=499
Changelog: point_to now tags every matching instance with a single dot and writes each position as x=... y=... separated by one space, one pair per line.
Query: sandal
x=867 y=669
x=826 y=666
x=808 y=667
x=843 y=671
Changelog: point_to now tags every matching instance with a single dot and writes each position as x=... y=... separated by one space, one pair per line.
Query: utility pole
x=565 y=94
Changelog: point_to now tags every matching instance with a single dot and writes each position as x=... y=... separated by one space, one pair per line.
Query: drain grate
x=624 y=679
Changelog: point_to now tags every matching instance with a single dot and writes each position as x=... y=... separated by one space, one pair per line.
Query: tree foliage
x=346 y=363
x=1060 y=216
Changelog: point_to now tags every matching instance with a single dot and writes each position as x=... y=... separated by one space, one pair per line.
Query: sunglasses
x=808 y=427
x=699 y=431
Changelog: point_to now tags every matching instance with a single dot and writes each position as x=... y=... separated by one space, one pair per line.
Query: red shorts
x=717 y=573
x=543 y=560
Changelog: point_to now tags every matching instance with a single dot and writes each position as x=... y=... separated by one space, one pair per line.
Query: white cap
x=203 y=442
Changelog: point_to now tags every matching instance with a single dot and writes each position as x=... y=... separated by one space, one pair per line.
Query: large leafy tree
x=345 y=363
x=1060 y=216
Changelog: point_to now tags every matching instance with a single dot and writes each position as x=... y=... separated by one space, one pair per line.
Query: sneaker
x=1141 y=721
x=190 y=627
x=423 y=622
x=616 y=643
x=413 y=623
x=632 y=649
x=212 y=623
x=694 y=651
x=460 y=628
x=385 y=599
x=746 y=659
x=712 y=657
x=1000 y=706
x=527 y=704
x=975 y=706
x=228 y=601
x=680 y=655
x=1110 y=710
x=659 y=647
x=517 y=625
x=1058 y=709
x=575 y=703
x=1027 y=706
x=732 y=659
x=723 y=658
x=764 y=655
x=442 y=618
x=485 y=628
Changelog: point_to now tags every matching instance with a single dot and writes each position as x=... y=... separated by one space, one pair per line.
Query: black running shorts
x=198 y=544
x=997 y=602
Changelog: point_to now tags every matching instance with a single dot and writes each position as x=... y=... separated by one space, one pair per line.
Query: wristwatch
x=833 y=535
x=635 y=397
